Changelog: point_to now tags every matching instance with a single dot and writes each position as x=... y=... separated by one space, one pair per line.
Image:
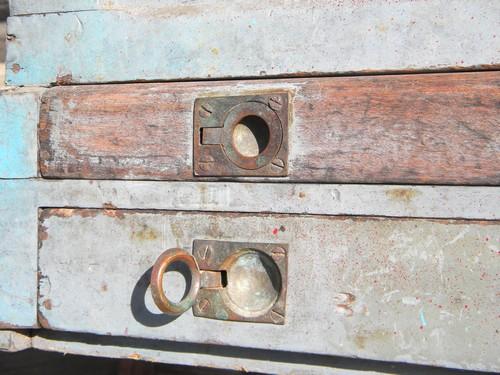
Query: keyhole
x=251 y=136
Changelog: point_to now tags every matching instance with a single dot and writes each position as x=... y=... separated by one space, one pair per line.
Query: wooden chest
x=325 y=174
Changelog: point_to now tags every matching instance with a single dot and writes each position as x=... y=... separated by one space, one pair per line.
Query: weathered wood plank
x=18 y=132
x=18 y=255
x=27 y=7
x=217 y=356
x=20 y=199
x=435 y=128
x=420 y=291
x=12 y=341
x=326 y=199
x=245 y=38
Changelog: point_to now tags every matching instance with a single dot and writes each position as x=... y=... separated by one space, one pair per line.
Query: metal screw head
x=277 y=253
x=205 y=252
x=205 y=110
x=278 y=163
x=203 y=305
x=275 y=102
x=277 y=317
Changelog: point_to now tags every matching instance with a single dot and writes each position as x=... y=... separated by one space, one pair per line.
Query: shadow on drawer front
x=355 y=286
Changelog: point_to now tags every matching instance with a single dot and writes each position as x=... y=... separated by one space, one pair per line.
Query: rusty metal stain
x=402 y=194
x=65 y=79
x=119 y=214
x=375 y=337
x=42 y=320
x=15 y=68
x=109 y=206
x=47 y=304
x=146 y=233
x=68 y=212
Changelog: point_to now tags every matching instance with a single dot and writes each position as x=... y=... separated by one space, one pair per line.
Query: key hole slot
x=223 y=278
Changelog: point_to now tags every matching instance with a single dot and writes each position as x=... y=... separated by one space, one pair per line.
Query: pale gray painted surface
x=329 y=199
x=246 y=38
x=18 y=253
x=25 y=7
x=19 y=200
x=269 y=362
x=424 y=291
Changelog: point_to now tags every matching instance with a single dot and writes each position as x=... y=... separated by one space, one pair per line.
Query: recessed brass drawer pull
x=229 y=281
x=164 y=260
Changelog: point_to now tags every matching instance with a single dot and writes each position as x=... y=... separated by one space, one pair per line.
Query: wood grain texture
x=125 y=40
x=432 y=128
x=416 y=290
x=21 y=198
x=228 y=357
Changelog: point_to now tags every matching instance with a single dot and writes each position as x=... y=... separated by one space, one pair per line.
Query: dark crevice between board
x=67 y=80
x=285 y=357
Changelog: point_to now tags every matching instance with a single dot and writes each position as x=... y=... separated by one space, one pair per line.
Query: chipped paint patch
x=344 y=302
x=146 y=233
x=15 y=68
x=402 y=194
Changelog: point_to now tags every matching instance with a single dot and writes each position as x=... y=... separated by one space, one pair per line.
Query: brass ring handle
x=164 y=260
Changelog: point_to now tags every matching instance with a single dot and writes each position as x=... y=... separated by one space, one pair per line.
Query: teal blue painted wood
x=18 y=133
x=20 y=7
x=18 y=254
x=247 y=38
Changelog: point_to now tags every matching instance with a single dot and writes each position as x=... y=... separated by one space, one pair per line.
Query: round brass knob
x=164 y=260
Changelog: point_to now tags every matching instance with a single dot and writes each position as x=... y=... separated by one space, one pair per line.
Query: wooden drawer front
x=437 y=128
x=124 y=40
x=411 y=290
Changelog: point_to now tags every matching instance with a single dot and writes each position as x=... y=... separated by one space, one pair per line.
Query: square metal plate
x=219 y=144
x=254 y=281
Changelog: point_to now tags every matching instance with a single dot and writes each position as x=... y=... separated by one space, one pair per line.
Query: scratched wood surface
x=12 y=341
x=130 y=41
x=21 y=198
x=216 y=356
x=418 y=291
x=434 y=128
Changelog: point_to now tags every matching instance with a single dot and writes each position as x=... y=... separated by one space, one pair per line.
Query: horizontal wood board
x=21 y=198
x=418 y=291
x=227 y=357
x=12 y=341
x=95 y=42
x=420 y=129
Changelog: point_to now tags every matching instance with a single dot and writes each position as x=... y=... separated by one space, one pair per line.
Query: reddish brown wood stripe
x=432 y=128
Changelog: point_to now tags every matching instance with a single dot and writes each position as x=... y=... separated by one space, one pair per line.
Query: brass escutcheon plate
x=253 y=281
x=241 y=135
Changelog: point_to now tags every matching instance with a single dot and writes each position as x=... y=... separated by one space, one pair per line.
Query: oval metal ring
x=164 y=260
x=273 y=123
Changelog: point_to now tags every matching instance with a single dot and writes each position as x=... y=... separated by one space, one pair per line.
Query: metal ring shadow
x=138 y=306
